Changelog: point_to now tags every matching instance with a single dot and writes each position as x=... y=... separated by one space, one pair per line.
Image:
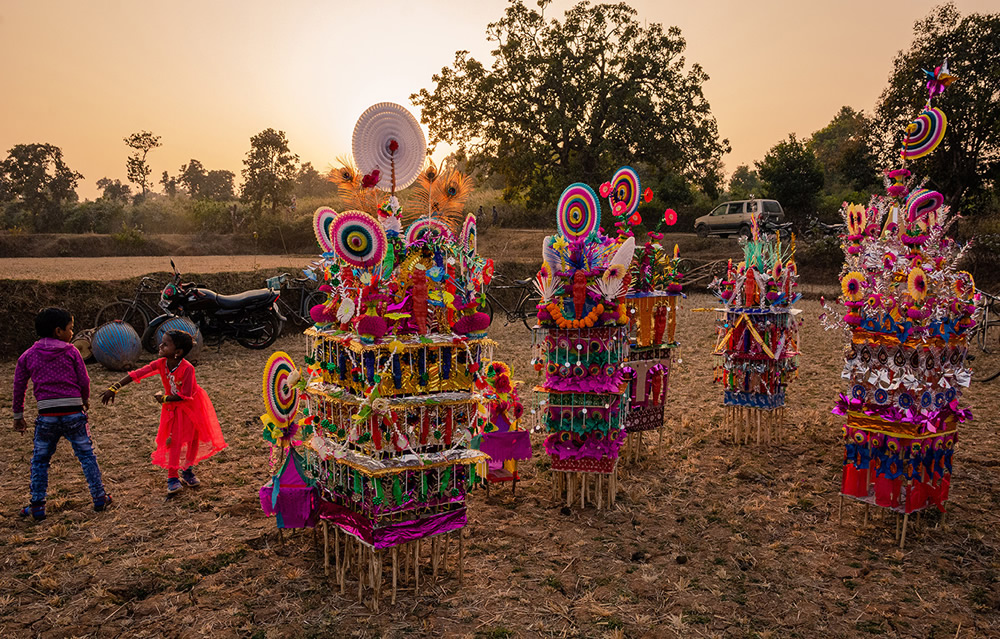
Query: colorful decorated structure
x=758 y=340
x=909 y=309
x=399 y=373
x=580 y=347
x=499 y=427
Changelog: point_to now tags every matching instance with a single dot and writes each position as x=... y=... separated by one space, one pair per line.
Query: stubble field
x=707 y=539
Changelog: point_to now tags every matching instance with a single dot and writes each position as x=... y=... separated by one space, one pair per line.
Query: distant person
x=62 y=391
x=189 y=429
x=495 y=218
x=480 y=214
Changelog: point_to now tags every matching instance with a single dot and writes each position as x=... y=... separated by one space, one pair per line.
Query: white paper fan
x=376 y=129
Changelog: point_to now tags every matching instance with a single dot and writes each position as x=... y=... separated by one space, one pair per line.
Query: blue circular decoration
x=116 y=345
x=881 y=396
x=926 y=399
x=939 y=401
x=610 y=370
x=905 y=400
x=565 y=371
x=950 y=394
x=859 y=392
x=579 y=370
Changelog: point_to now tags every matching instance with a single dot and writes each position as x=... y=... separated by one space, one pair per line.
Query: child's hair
x=50 y=319
x=182 y=340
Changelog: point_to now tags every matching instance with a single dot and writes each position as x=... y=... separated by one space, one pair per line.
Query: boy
x=62 y=390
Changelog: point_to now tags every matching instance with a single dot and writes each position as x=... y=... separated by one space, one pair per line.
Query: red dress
x=190 y=425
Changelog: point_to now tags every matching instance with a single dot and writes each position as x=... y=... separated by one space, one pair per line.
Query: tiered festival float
x=758 y=340
x=399 y=377
x=908 y=311
x=580 y=347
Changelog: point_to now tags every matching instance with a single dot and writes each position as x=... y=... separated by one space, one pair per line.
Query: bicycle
x=523 y=309
x=135 y=311
x=986 y=365
x=307 y=297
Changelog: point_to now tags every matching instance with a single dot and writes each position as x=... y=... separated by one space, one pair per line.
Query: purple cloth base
x=505 y=446
x=591 y=448
x=294 y=508
x=393 y=534
x=600 y=384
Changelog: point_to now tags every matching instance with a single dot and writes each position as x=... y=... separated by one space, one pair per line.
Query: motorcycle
x=769 y=225
x=251 y=318
x=817 y=230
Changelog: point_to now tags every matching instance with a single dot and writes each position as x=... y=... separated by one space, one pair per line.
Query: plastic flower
x=647 y=195
x=852 y=286
x=606 y=189
x=965 y=285
x=917 y=284
x=670 y=217
x=857 y=219
x=889 y=261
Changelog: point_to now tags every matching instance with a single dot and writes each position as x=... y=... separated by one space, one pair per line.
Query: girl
x=189 y=429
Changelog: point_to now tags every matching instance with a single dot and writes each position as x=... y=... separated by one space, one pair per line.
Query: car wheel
x=702 y=230
x=744 y=231
x=724 y=235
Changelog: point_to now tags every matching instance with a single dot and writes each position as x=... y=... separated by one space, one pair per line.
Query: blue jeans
x=48 y=430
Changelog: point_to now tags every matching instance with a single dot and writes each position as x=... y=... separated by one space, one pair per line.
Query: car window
x=770 y=206
x=735 y=208
x=719 y=210
x=752 y=206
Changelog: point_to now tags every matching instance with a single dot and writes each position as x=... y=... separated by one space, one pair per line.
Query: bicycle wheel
x=985 y=361
x=126 y=311
x=528 y=310
x=315 y=298
x=486 y=306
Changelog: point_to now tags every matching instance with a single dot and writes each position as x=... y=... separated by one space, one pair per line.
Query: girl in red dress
x=189 y=430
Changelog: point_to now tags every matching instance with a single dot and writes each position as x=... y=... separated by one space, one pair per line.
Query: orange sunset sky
x=207 y=75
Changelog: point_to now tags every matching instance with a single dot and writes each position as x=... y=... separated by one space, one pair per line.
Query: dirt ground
x=707 y=539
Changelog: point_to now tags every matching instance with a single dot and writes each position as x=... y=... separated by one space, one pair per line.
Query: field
x=707 y=539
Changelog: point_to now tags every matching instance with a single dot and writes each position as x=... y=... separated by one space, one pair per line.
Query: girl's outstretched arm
x=108 y=397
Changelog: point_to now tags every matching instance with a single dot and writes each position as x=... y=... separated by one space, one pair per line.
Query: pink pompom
x=318 y=314
x=372 y=325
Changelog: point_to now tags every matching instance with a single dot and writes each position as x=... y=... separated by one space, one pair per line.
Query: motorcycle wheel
x=267 y=328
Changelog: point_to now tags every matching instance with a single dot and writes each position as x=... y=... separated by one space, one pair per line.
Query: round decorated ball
x=186 y=325
x=116 y=345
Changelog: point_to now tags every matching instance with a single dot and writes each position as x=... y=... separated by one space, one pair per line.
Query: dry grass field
x=707 y=539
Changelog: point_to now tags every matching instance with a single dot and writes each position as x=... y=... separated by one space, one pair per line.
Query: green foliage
x=565 y=101
x=966 y=166
x=792 y=175
x=310 y=183
x=137 y=170
x=114 y=190
x=843 y=148
x=129 y=236
x=269 y=173
x=744 y=184
x=34 y=184
x=100 y=216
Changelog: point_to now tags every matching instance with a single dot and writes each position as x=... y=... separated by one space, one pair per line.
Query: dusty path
x=55 y=269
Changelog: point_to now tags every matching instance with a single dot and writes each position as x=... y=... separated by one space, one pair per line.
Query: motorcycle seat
x=258 y=297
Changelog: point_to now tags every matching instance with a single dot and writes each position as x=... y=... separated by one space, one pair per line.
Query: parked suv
x=734 y=217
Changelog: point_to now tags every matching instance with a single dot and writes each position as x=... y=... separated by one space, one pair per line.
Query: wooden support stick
x=865 y=522
x=461 y=556
x=434 y=556
x=840 y=511
x=395 y=556
x=416 y=567
x=902 y=537
x=326 y=547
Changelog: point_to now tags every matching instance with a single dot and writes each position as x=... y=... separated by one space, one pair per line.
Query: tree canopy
x=269 y=171
x=843 y=148
x=792 y=175
x=571 y=100
x=137 y=170
x=966 y=166
x=34 y=183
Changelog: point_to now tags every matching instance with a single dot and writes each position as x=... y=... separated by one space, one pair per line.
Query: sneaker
x=188 y=478
x=101 y=504
x=173 y=485
x=35 y=511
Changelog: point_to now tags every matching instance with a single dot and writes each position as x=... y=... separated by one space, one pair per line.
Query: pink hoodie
x=58 y=372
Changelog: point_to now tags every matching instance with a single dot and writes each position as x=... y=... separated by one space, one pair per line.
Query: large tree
x=570 y=100
x=745 y=183
x=792 y=175
x=138 y=171
x=191 y=176
x=966 y=166
x=114 y=190
x=269 y=171
x=843 y=148
x=218 y=185
x=35 y=183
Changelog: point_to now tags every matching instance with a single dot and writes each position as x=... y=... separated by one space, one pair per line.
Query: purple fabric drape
x=505 y=446
x=392 y=534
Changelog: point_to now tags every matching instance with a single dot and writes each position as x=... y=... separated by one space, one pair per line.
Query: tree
x=744 y=183
x=569 y=101
x=169 y=184
x=114 y=191
x=792 y=175
x=218 y=186
x=137 y=170
x=269 y=172
x=192 y=177
x=310 y=182
x=36 y=183
x=966 y=166
x=843 y=148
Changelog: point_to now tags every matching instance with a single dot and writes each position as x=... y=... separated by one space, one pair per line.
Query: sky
x=206 y=75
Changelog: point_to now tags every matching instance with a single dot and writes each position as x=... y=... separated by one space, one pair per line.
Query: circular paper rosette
x=578 y=211
x=377 y=129
x=625 y=191
x=924 y=134
x=469 y=235
x=427 y=228
x=281 y=397
x=358 y=239
x=921 y=202
x=322 y=221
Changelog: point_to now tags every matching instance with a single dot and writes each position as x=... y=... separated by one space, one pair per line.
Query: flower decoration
x=605 y=189
x=916 y=284
x=852 y=286
x=670 y=217
x=965 y=285
x=647 y=195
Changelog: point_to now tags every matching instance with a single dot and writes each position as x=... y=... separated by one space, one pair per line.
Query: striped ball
x=116 y=345
x=186 y=325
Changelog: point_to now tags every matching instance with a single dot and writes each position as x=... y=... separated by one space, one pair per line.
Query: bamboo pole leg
x=902 y=537
x=840 y=511
x=395 y=556
x=461 y=556
x=326 y=548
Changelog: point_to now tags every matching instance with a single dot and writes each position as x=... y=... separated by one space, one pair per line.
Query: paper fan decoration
x=924 y=134
x=578 y=211
x=377 y=129
x=426 y=228
x=625 y=191
x=469 y=235
x=358 y=239
x=322 y=221
x=922 y=202
x=281 y=397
